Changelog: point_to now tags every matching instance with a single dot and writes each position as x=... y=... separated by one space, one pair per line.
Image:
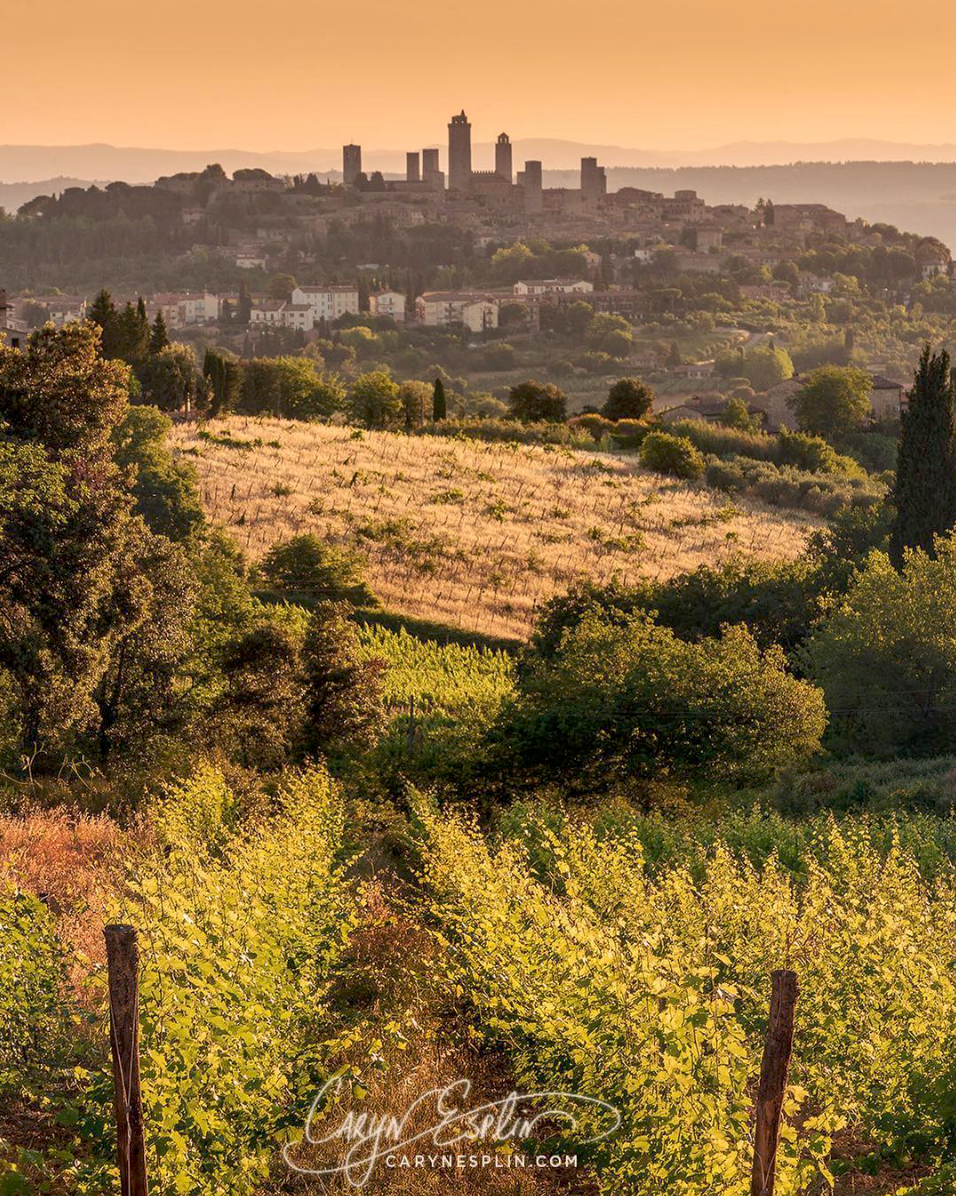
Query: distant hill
x=918 y=195
x=137 y=164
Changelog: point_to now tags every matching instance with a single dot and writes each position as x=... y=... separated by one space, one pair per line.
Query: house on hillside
x=886 y=398
x=14 y=333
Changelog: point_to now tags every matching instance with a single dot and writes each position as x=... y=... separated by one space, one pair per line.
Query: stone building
x=459 y=153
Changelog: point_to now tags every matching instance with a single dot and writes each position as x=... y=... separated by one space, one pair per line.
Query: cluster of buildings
x=499 y=190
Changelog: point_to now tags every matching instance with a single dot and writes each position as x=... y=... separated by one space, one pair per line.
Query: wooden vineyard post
x=122 y=962
x=777 y=1050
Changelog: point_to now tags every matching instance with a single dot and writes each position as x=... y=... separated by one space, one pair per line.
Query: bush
x=822 y=494
x=537 y=402
x=592 y=423
x=628 y=398
x=722 y=441
x=307 y=567
x=886 y=656
x=629 y=699
x=629 y=433
x=672 y=455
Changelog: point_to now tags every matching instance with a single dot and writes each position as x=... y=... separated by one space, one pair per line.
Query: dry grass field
x=465 y=533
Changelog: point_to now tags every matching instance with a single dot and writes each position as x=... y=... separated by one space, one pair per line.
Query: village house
x=438 y=309
x=388 y=303
x=553 y=286
x=328 y=302
x=887 y=398
x=63 y=309
x=12 y=332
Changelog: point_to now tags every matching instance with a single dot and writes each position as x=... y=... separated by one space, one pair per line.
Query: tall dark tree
x=78 y=570
x=132 y=335
x=925 y=491
x=158 y=336
x=439 y=403
x=103 y=313
x=244 y=312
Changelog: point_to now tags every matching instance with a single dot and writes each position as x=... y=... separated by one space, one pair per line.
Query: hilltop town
x=484 y=275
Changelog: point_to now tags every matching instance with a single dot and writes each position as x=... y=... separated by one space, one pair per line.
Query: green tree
x=79 y=571
x=537 y=402
x=244 y=305
x=171 y=379
x=632 y=700
x=258 y=716
x=374 y=400
x=886 y=656
x=628 y=398
x=416 y=398
x=833 y=399
x=344 y=704
x=765 y=367
x=924 y=492
x=102 y=312
x=165 y=488
x=306 y=567
x=158 y=336
x=736 y=414
x=439 y=403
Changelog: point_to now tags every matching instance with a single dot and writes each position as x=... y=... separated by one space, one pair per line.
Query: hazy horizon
x=223 y=75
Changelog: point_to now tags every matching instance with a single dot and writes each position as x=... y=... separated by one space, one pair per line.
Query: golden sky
x=684 y=74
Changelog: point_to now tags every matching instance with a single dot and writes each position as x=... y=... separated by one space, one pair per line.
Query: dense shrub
x=721 y=441
x=537 y=402
x=628 y=398
x=592 y=423
x=672 y=455
x=777 y=600
x=886 y=656
x=785 y=486
x=629 y=699
x=307 y=567
x=500 y=430
x=32 y=977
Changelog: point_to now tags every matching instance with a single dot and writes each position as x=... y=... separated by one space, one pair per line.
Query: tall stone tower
x=503 y=163
x=531 y=178
x=413 y=168
x=351 y=163
x=459 y=153
x=593 y=182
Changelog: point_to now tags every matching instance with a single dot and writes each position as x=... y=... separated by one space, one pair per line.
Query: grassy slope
x=471 y=535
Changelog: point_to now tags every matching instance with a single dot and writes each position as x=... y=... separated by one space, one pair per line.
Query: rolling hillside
x=469 y=534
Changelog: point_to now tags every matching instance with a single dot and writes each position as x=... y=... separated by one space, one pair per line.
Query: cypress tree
x=103 y=312
x=439 y=406
x=925 y=490
x=158 y=337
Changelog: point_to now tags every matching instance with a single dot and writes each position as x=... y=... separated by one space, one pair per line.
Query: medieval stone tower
x=459 y=153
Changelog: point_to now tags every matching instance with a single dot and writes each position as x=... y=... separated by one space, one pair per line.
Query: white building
x=328 y=302
x=187 y=308
x=63 y=309
x=476 y=311
x=279 y=314
x=388 y=303
x=553 y=286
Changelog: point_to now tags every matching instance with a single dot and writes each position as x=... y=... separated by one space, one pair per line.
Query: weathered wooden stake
x=777 y=1050
x=122 y=961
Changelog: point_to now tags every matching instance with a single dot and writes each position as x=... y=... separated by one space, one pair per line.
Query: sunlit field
x=470 y=534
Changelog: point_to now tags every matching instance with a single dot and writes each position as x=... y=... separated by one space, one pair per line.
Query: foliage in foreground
x=651 y=991
x=241 y=925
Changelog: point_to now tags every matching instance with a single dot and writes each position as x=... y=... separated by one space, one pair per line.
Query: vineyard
x=611 y=954
x=470 y=534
